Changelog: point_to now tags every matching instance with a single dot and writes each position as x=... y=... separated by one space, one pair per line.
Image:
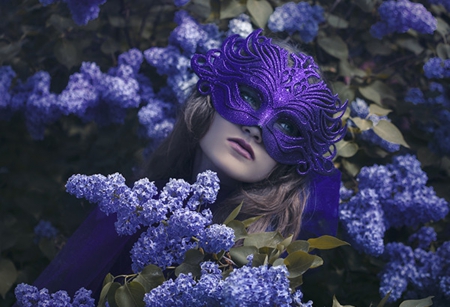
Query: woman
x=264 y=120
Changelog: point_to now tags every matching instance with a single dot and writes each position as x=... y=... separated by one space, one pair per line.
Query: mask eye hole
x=250 y=96
x=287 y=127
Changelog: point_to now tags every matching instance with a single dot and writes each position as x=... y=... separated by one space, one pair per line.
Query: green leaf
x=295 y=282
x=337 y=22
x=351 y=168
x=259 y=260
x=384 y=300
x=344 y=91
x=377 y=110
x=103 y=294
x=233 y=214
x=365 y=5
x=325 y=242
x=378 y=47
x=8 y=275
x=317 y=262
x=67 y=53
x=109 y=46
x=298 y=263
x=261 y=239
x=286 y=242
x=383 y=90
x=346 y=149
x=389 y=132
x=8 y=52
x=442 y=27
x=151 y=277
x=111 y=296
x=279 y=261
x=239 y=254
x=334 y=46
x=108 y=278
x=251 y=220
x=130 y=295
x=61 y=23
x=337 y=304
x=348 y=70
x=298 y=245
x=418 y=303
x=371 y=93
x=231 y=8
x=239 y=229
x=443 y=51
x=202 y=8
x=260 y=10
x=362 y=124
x=411 y=44
x=191 y=263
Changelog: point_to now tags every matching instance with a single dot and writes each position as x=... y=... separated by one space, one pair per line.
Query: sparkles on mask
x=252 y=83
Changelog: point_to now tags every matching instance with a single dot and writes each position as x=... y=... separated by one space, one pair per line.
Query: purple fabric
x=252 y=83
x=93 y=251
x=321 y=214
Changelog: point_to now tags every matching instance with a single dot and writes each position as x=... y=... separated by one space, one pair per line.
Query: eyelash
x=287 y=127
x=250 y=97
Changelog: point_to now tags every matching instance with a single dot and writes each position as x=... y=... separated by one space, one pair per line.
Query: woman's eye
x=287 y=127
x=250 y=97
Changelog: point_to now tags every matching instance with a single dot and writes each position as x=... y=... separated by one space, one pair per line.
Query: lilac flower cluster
x=162 y=244
x=435 y=96
x=416 y=273
x=246 y=286
x=394 y=195
x=174 y=60
x=440 y=141
x=437 y=68
x=82 y=11
x=359 y=108
x=89 y=94
x=302 y=18
x=402 y=15
x=30 y=296
x=45 y=229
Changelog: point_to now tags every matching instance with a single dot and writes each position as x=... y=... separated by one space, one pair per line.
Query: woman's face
x=235 y=151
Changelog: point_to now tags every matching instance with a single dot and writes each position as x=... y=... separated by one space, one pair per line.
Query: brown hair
x=280 y=198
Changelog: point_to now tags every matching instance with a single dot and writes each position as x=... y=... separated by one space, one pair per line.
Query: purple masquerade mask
x=253 y=82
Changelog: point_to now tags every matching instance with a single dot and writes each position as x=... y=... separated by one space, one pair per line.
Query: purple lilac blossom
x=302 y=18
x=217 y=238
x=362 y=218
x=402 y=15
x=257 y=286
x=417 y=270
x=440 y=142
x=7 y=74
x=188 y=35
x=436 y=68
x=30 y=296
x=173 y=293
x=205 y=190
x=180 y=2
x=45 y=229
x=82 y=11
x=415 y=96
x=423 y=237
x=444 y=3
x=394 y=195
x=344 y=193
x=40 y=105
x=240 y=25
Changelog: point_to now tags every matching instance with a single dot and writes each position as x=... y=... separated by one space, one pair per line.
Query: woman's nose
x=254 y=131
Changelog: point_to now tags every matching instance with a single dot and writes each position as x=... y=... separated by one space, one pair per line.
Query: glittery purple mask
x=253 y=82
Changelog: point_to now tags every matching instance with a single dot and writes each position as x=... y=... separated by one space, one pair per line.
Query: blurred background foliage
x=33 y=173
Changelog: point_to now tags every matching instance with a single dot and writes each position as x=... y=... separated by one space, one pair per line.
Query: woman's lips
x=243 y=148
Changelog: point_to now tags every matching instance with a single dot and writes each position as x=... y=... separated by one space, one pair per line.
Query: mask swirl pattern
x=254 y=82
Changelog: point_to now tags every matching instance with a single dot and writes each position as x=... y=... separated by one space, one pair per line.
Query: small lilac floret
x=241 y=25
x=45 y=229
x=436 y=68
x=217 y=238
x=204 y=190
